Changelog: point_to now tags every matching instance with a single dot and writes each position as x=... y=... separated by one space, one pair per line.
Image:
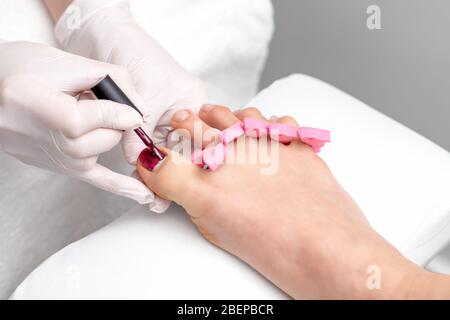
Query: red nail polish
x=149 y=159
x=149 y=143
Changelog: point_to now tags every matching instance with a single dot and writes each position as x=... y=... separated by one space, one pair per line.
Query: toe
x=219 y=117
x=189 y=124
x=174 y=178
x=283 y=129
x=249 y=113
x=287 y=120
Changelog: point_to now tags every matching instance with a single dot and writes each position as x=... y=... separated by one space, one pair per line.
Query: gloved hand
x=108 y=32
x=45 y=123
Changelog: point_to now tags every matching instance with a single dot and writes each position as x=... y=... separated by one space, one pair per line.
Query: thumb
x=119 y=184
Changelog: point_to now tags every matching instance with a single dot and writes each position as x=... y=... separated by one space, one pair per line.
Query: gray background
x=401 y=70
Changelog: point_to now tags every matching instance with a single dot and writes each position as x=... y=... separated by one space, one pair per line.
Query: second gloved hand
x=108 y=32
x=45 y=122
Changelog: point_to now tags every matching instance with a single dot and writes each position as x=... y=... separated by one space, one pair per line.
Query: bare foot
x=298 y=226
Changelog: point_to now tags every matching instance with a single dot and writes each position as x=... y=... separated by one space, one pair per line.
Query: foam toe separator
x=255 y=127
x=214 y=156
x=283 y=133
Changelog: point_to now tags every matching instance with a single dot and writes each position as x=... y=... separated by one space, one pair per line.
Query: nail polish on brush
x=149 y=143
x=107 y=89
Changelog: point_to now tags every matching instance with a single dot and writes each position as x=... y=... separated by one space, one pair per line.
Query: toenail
x=181 y=115
x=206 y=107
x=148 y=159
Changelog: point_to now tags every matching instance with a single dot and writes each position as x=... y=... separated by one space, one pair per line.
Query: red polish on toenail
x=149 y=143
x=148 y=159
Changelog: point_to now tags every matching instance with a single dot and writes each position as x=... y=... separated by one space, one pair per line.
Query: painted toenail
x=148 y=160
x=181 y=115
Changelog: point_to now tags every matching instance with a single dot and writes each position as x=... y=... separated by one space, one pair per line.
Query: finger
x=122 y=185
x=159 y=205
x=89 y=72
x=216 y=116
x=94 y=71
x=87 y=95
x=39 y=163
x=249 y=113
x=94 y=114
x=47 y=155
x=174 y=178
x=62 y=112
x=132 y=146
x=107 y=114
x=84 y=72
x=90 y=144
x=64 y=167
x=198 y=131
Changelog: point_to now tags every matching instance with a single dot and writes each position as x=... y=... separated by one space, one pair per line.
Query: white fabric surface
x=223 y=42
x=400 y=180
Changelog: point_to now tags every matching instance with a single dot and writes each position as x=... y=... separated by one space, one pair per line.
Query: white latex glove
x=44 y=123
x=108 y=32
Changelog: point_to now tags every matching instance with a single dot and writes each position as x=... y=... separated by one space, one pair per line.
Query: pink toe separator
x=233 y=132
x=316 y=138
x=283 y=133
x=255 y=128
x=214 y=156
x=197 y=158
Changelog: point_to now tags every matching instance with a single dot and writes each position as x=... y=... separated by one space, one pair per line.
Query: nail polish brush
x=107 y=89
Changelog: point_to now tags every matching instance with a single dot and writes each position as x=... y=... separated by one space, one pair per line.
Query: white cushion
x=400 y=179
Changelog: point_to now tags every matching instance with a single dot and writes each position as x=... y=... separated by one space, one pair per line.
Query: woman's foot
x=295 y=224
